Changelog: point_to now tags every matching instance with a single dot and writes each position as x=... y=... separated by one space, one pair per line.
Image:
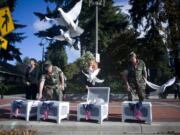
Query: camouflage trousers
x=52 y=93
x=139 y=90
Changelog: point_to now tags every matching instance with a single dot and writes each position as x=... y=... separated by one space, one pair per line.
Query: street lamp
x=97 y=3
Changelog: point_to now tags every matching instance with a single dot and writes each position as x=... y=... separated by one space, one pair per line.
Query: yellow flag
x=3 y=43
x=6 y=22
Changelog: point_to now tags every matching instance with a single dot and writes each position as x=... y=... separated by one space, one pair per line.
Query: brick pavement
x=166 y=110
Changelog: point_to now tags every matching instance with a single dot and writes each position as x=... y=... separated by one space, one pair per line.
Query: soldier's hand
x=39 y=96
x=62 y=87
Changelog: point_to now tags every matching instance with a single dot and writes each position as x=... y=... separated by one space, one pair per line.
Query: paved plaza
x=166 y=120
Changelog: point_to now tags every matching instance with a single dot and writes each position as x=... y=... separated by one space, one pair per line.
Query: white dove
x=161 y=89
x=71 y=16
x=65 y=36
x=59 y=21
x=68 y=19
x=92 y=76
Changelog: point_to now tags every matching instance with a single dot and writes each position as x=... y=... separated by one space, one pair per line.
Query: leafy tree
x=26 y=60
x=56 y=50
x=116 y=40
x=152 y=16
x=12 y=52
x=111 y=22
x=117 y=53
x=83 y=61
x=71 y=70
x=115 y=37
x=57 y=55
x=22 y=66
x=172 y=9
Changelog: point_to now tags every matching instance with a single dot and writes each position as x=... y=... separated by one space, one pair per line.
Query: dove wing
x=75 y=11
x=57 y=21
x=170 y=82
x=152 y=85
x=167 y=84
x=77 y=32
x=49 y=38
x=59 y=37
x=60 y=21
x=48 y=19
x=99 y=80
x=95 y=73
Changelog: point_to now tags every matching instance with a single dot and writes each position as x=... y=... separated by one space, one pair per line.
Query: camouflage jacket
x=52 y=80
x=136 y=74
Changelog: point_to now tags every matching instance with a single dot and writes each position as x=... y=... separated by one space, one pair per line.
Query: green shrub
x=15 y=89
x=74 y=88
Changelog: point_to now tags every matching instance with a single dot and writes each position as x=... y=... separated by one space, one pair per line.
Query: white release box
x=98 y=99
x=145 y=109
x=26 y=108
x=57 y=110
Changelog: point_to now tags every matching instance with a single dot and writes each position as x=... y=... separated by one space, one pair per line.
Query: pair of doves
x=69 y=20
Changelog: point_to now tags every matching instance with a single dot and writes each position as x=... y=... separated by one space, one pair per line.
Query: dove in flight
x=71 y=16
x=73 y=33
x=69 y=19
x=92 y=76
x=64 y=37
x=162 y=88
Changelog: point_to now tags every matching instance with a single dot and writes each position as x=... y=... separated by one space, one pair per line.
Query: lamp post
x=97 y=3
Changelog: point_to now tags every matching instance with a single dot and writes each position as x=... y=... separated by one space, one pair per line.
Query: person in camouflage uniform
x=134 y=77
x=51 y=83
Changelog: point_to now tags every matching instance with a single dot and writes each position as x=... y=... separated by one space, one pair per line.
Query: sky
x=29 y=47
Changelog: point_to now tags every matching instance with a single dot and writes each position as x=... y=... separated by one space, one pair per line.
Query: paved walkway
x=166 y=120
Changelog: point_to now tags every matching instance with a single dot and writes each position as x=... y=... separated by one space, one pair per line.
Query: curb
x=71 y=128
